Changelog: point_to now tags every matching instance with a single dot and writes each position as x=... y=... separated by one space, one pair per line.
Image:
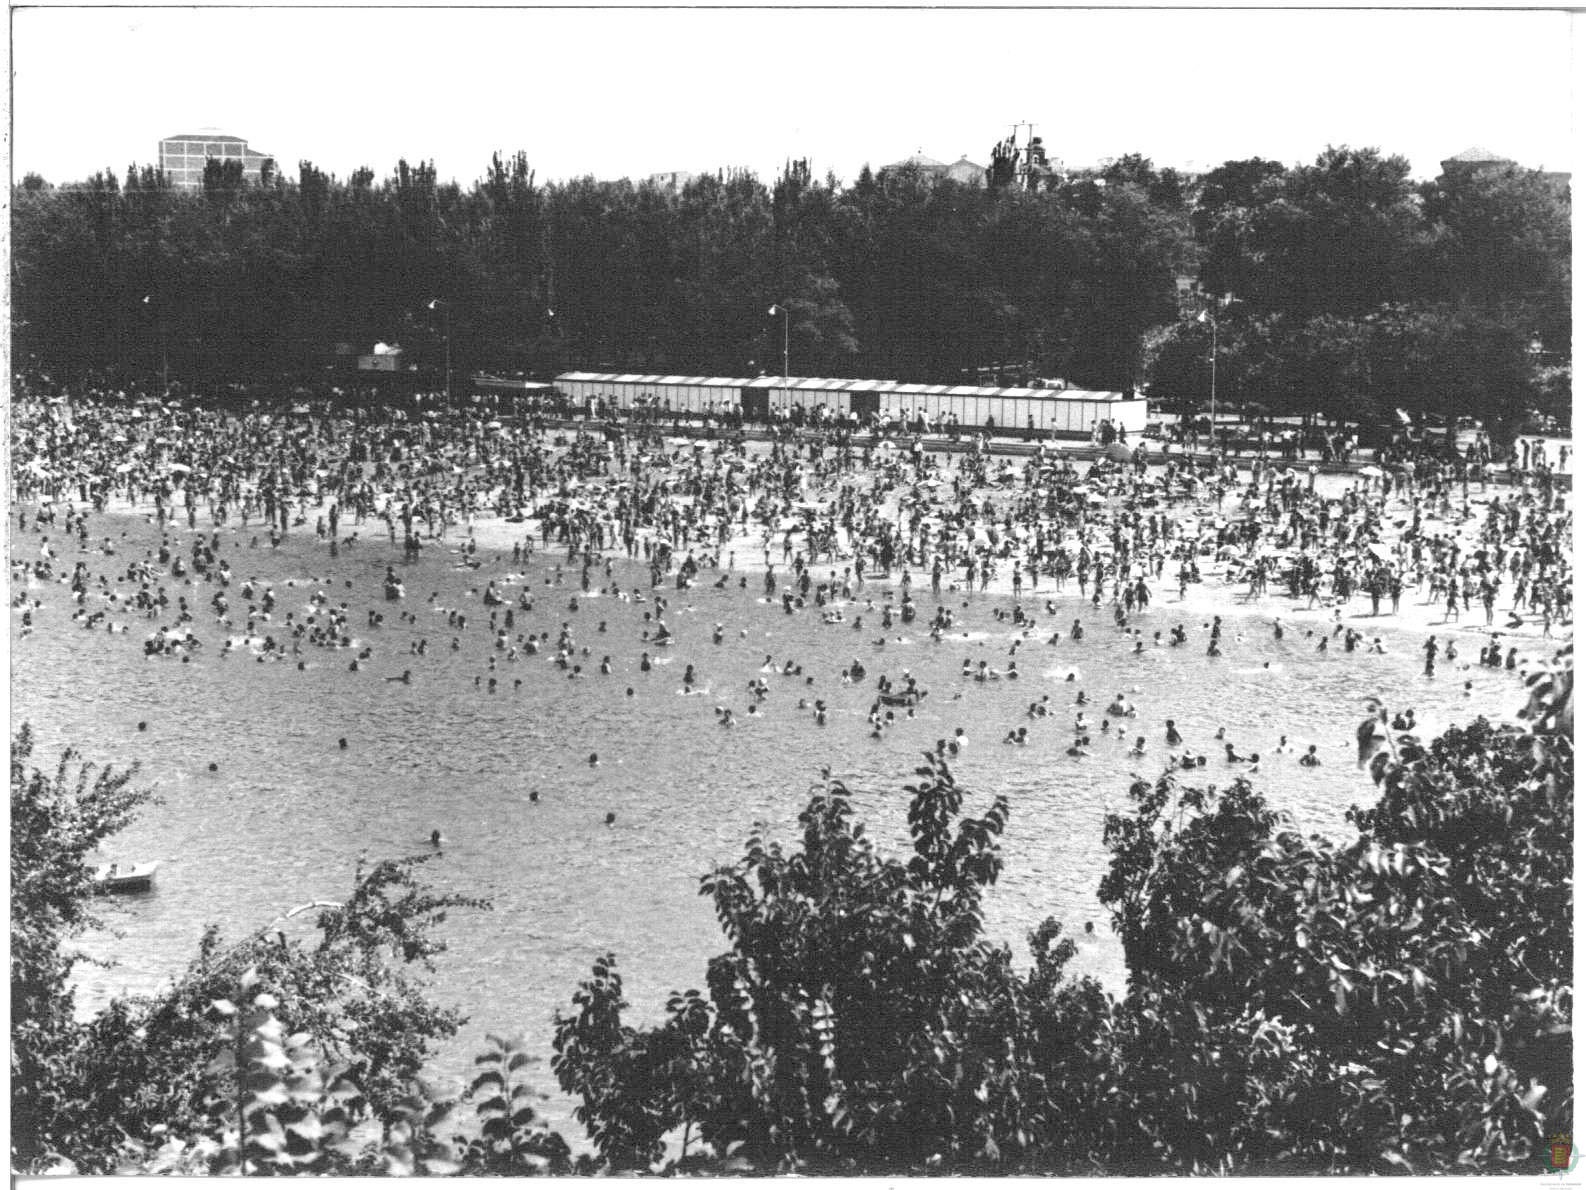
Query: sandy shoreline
x=1214 y=595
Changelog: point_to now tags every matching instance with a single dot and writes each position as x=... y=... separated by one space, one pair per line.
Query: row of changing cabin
x=1068 y=413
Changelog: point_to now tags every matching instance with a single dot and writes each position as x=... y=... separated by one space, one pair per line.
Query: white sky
x=629 y=93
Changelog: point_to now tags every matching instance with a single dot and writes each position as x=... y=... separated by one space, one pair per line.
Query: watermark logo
x=1561 y=1157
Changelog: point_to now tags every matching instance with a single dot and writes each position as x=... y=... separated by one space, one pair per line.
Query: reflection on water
x=288 y=813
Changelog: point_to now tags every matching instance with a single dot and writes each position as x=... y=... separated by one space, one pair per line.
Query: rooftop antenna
x=1022 y=170
x=1033 y=166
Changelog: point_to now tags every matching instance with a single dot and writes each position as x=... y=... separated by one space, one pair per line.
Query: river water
x=288 y=813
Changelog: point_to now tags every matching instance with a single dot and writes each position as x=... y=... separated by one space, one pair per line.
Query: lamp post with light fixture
x=446 y=323
x=165 y=361
x=782 y=310
x=1209 y=314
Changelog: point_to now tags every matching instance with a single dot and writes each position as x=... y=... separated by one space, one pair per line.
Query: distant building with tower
x=182 y=157
x=1023 y=167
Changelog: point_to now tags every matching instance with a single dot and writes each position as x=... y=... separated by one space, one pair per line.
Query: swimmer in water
x=1174 y=739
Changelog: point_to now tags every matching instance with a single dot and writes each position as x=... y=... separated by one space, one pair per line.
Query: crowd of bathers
x=766 y=518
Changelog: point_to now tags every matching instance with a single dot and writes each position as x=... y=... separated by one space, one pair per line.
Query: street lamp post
x=782 y=310
x=165 y=359
x=1214 y=383
x=446 y=324
x=1209 y=314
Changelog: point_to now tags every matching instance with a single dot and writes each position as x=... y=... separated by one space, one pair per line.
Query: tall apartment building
x=673 y=180
x=182 y=157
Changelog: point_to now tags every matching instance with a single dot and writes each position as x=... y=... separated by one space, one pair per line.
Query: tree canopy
x=900 y=275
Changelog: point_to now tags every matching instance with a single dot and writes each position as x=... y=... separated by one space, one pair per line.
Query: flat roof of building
x=824 y=384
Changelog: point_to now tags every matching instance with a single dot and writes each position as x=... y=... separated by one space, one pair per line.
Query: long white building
x=1068 y=412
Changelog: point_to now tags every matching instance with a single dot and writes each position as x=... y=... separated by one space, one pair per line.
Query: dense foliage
x=98 y=1094
x=1361 y=290
x=57 y=822
x=1400 y=1002
x=860 y=1022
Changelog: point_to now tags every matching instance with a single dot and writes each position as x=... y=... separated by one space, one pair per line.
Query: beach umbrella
x=182 y=467
x=1118 y=453
x=1373 y=472
x=123 y=468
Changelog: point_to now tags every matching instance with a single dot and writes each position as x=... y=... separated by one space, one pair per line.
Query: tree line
x=1398 y=1003
x=1358 y=289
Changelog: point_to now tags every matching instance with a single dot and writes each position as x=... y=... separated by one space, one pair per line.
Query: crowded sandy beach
x=873 y=532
